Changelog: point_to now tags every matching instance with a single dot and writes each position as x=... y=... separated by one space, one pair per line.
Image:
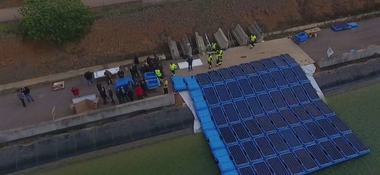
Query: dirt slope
x=145 y=31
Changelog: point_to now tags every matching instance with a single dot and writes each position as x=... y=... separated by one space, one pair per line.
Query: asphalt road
x=367 y=34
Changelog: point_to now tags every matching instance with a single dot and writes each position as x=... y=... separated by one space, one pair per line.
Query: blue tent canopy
x=123 y=82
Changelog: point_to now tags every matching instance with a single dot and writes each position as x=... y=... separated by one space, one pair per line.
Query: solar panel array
x=264 y=117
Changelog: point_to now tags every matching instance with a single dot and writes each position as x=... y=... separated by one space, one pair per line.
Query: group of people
x=24 y=93
x=123 y=94
x=218 y=53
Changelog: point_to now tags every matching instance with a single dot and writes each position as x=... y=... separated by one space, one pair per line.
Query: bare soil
x=145 y=30
x=10 y=3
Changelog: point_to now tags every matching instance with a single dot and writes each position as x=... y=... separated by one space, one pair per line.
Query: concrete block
x=8 y=157
x=240 y=35
x=221 y=39
x=173 y=49
x=139 y=128
x=186 y=46
x=200 y=44
x=70 y=121
x=66 y=145
x=46 y=150
x=255 y=29
x=27 y=156
x=85 y=140
x=121 y=132
x=104 y=136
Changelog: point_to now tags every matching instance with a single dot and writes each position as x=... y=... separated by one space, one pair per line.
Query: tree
x=55 y=21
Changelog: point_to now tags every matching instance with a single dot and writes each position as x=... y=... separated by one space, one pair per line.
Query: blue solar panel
x=339 y=124
x=257 y=84
x=279 y=62
x=261 y=168
x=289 y=76
x=331 y=150
x=312 y=110
x=305 y=159
x=251 y=150
x=265 y=124
x=247 y=68
x=300 y=74
x=289 y=117
x=237 y=155
x=246 y=87
x=268 y=81
x=266 y=102
x=344 y=146
x=277 y=166
x=258 y=66
x=278 y=99
x=210 y=96
x=292 y=163
x=300 y=94
x=218 y=116
x=323 y=107
x=226 y=75
x=264 y=146
x=355 y=141
x=303 y=135
x=237 y=71
x=301 y=113
x=227 y=135
x=327 y=127
x=246 y=171
x=311 y=92
x=278 y=142
x=289 y=97
x=234 y=89
x=277 y=120
x=223 y=93
x=318 y=155
x=288 y=59
x=255 y=106
x=214 y=77
x=279 y=78
x=268 y=64
x=290 y=138
x=203 y=79
x=243 y=109
x=230 y=112
x=252 y=127
x=315 y=130
x=240 y=131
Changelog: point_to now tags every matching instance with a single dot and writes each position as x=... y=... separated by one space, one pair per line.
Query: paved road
x=11 y=14
x=367 y=34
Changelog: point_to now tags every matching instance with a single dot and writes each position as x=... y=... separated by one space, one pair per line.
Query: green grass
x=190 y=154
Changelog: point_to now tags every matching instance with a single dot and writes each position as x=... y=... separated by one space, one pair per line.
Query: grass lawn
x=359 y=108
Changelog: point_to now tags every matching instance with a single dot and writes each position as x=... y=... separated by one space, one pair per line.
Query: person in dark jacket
x=130 y=95
x=120 y=96
x=103 y=94
x=21 y=97
x=120 y=73
x=99 y=86
x=27 y=94
x=190 y=63
x=108 y=76
x=88 y=76
x=144 y=87
x=124 y=93
x=110 y=95
x=136 y=60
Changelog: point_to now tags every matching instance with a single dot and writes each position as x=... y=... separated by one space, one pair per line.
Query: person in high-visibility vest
x=253 y=40
x=219 y=57
x=213 y=46
x=165 y=86
x=158 y=73
x=172 y=68
x=209 y=61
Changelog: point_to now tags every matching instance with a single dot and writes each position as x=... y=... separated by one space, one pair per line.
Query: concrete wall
x=240 y=35
x=350 y=56
x=84 y=118
x=332 y=79
x=173 y=49
x=45 y=150
x=221 y=39
x=200 y=44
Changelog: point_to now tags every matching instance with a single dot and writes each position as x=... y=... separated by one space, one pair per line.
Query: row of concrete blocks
x=220 y=37
x=53 y=148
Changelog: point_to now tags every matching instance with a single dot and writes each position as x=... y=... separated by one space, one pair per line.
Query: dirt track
x=144 y=31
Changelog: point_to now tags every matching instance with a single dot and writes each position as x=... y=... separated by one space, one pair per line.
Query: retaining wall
x=350 y=56
x=85 y=118
x=45 y=150
x=348 y=74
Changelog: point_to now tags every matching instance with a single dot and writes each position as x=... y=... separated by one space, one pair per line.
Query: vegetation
x=55 y=21
x=191 y=155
